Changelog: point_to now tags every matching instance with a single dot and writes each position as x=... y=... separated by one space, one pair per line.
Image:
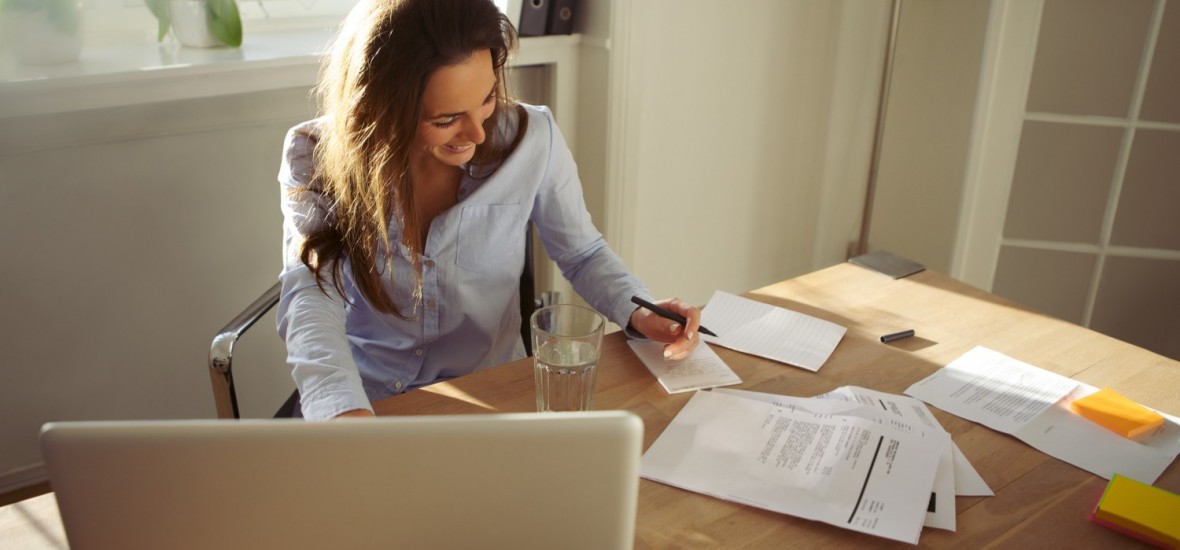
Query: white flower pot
x=190 y=24
x=36 y=39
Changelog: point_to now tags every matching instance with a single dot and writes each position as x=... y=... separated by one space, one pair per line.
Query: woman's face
x=458 y=99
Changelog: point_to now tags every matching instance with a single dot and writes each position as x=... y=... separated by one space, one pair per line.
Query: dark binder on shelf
x=534 y=16
x=561 y=16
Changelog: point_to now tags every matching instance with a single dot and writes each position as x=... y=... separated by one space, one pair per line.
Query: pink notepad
x=1141 y=511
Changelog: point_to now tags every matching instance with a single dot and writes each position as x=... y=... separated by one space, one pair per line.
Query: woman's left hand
x=681 y=340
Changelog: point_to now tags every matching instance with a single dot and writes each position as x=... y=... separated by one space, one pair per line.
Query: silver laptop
x=562 y=480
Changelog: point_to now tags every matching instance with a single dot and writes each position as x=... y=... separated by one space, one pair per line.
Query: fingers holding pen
x=688 y=339
x=672 y=321
x=690 y=314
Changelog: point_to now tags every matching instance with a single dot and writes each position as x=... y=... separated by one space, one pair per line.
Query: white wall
x=928 y=129
x=129 y=235
x=753 y=127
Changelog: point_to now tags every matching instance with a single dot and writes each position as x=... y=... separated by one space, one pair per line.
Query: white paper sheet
x=968 y=482
x=942 y=514
x=967 y=479
x=840 y=469
x=884 y=407
x=769 y=331
x=700 y=370
x=1032 y=404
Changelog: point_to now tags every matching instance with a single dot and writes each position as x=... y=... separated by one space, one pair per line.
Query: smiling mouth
x=454 y=149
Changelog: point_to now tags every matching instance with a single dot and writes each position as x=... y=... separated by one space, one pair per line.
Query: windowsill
x=146 y=73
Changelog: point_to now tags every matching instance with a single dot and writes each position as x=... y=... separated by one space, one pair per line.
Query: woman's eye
x=491 y=98
x=447 y=124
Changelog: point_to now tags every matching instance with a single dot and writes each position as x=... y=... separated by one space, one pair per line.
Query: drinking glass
x=567 y=339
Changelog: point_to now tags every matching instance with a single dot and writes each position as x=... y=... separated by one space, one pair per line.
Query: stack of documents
x=768 y=331
x=1033 y=404
x=854 y=458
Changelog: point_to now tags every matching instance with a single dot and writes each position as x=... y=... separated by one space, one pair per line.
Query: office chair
x=221 y=352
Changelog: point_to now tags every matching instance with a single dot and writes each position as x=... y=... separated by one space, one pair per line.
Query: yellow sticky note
x=1140 y=510
x=1112 y=411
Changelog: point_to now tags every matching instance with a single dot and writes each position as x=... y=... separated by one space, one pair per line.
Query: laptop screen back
x=566 y=480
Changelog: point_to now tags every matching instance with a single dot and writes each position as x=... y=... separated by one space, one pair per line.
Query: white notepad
x=700 y=370
x=769 y=331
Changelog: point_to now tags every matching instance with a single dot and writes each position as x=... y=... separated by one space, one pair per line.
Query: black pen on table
x=667 y=314
x=897 y=336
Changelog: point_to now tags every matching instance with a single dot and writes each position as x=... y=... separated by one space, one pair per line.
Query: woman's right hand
x=680 y=340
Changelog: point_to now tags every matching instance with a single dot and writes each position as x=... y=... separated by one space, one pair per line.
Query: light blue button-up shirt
x=345 y=354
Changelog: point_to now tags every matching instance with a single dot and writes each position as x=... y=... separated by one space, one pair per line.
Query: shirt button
x=428 y=263
x=418 y=352
x=398 y=384
x=430 y=304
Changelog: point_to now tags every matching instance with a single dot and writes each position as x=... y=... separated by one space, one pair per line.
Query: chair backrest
x=221 y=352
x=528 y=291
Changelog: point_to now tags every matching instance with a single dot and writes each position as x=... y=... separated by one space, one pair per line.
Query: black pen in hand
x=667 y=314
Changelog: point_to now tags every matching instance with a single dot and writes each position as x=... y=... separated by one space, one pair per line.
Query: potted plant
x=198 y=23
x=42 y=32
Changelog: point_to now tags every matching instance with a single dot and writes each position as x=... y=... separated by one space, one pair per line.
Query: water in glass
x=565 y=375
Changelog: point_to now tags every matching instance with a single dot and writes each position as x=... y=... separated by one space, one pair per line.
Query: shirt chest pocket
x=491 y=238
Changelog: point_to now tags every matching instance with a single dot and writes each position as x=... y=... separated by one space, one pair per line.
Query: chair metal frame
x=221 y=353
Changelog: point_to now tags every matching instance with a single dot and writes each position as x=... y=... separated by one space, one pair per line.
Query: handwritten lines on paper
x=769 y=331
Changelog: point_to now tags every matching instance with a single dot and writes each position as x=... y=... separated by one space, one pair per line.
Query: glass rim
x=598 y=327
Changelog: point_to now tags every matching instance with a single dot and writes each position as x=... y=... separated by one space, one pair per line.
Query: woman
x=406 y=205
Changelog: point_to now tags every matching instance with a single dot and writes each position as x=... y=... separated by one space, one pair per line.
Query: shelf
x=147 y=73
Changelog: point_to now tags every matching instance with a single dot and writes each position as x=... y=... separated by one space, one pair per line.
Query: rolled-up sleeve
x=312 y=321
x=572 y=241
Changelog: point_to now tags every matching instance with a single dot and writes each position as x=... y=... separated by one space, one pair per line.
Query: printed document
x=769 y=331
x=967 y=480
x=700 y=370
x=955 y=475
x=806 y=457
x=1032 y=404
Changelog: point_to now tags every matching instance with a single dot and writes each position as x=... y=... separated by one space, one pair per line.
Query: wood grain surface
x=1040 y=502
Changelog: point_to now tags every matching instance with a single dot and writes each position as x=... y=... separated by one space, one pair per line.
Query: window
x=121 y=22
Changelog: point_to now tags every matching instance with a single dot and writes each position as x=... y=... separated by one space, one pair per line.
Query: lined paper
x=769 y=331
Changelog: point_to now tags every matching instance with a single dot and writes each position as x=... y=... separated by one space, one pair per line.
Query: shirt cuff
x=326 y=406
x=632 y=333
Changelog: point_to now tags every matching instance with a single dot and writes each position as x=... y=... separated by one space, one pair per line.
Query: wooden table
x=32 y=524
x=1040 y=501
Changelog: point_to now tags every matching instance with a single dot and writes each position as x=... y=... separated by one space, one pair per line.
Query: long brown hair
x=371 y=88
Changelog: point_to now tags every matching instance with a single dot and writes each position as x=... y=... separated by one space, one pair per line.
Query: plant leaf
x=63 y=14
x=163 y=13
x=224 y=22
